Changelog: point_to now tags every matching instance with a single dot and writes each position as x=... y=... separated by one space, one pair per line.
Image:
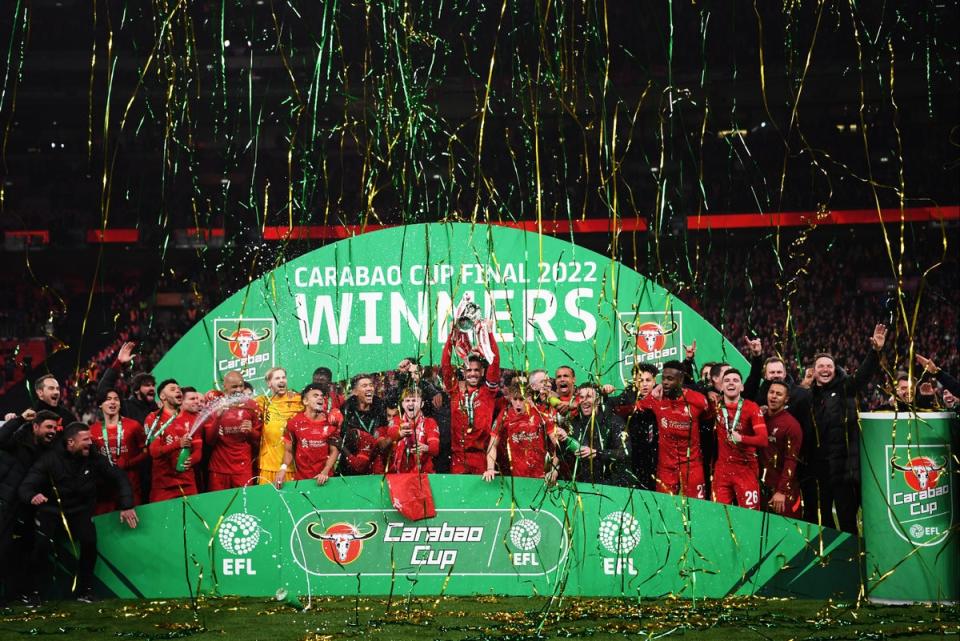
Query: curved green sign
x=512 y=537
x=364 y=304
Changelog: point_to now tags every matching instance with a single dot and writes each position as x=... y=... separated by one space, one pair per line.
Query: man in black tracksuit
x=22 y=440
x=832 y=446
x=604 y=455
x=48 y=391
x=62 y=484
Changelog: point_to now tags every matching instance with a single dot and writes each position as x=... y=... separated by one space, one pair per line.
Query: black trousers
x=822 y=493
x=16 y=542
x=50 y=529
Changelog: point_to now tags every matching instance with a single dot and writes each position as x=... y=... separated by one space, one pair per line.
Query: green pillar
x=909 y=478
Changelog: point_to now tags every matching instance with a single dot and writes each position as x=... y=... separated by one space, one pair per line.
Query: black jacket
x=66 y=416
x=832 y=446
x=607 y=433
x=18 y=452
x=70 y=481
x=756 y=388
x=643 y=443
x=131 y=407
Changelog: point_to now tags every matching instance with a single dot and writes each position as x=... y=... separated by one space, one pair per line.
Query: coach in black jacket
x=64 y=481
x=22 y=440
x=832 y=448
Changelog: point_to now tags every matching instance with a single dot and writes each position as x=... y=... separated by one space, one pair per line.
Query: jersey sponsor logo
x=244 y=344
x=919 y=493
x=648 y=337
x=342 y=543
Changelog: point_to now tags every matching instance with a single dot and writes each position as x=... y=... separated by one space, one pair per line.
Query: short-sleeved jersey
x=311 y=440
x=752 y=429
x=124 y=445
x=233 y=441
x=404 y=457
x=678 y=422
x=275 y=411
x=527 y=440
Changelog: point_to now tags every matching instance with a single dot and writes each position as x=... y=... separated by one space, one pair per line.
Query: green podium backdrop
x=365 y=303
x=909 y=476
x=510 y=537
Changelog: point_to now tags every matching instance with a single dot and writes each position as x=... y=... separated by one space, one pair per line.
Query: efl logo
x=921 y=473
x=342 y=542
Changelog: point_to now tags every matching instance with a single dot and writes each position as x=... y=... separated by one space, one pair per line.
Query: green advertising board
x=910 y=485
x=511 y=537
x=364 y=304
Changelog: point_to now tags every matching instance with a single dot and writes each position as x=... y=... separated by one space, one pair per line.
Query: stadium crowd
x=759 y=439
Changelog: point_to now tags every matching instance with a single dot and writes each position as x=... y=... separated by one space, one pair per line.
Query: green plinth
x=910 y=484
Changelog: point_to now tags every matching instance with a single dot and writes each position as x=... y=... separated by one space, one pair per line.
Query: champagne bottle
x=182 y=459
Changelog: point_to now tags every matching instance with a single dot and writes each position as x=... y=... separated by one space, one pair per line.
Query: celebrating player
x=528 y=434
x=416 y=437
x=679 y=412
x=310 y=440
x=173 y=475
x=234 y=434
x=740 y=431
x=123 y=442
x=472 y=405
x=276 y=408
x=779 y=459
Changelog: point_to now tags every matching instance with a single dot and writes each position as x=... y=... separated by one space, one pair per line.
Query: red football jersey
x=678 y=421
x=404 y=458
x=166 y=449
x=526 y=435
x=233 y=440
x=779 y=458
x=126 y=452
x=753 y=434
x=471 y=410
x=312 y=440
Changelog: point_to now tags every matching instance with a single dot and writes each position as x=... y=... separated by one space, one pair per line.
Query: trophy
x=470 y=329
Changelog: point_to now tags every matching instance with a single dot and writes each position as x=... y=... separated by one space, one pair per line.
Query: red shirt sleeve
x=432 y=433
x=211 y=430
x=446 y=367
x=755 y=419
x=791 y=455
x=138 y=445
x=493 y=369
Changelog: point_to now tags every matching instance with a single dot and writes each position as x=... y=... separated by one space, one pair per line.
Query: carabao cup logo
x=342 y=542
x=244 y=342
x=919 y=493
x=921 y=473
x=647 y=337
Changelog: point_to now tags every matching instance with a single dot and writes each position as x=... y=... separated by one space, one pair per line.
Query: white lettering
x=370 y=336
x=419 y=325
x=532 y=318
x=323 y=309
x=589 y=322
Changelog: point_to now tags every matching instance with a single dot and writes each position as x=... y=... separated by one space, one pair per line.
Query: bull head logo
x=243 y=342
x=342 y=542
x=650 y=336
x=921 y=473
